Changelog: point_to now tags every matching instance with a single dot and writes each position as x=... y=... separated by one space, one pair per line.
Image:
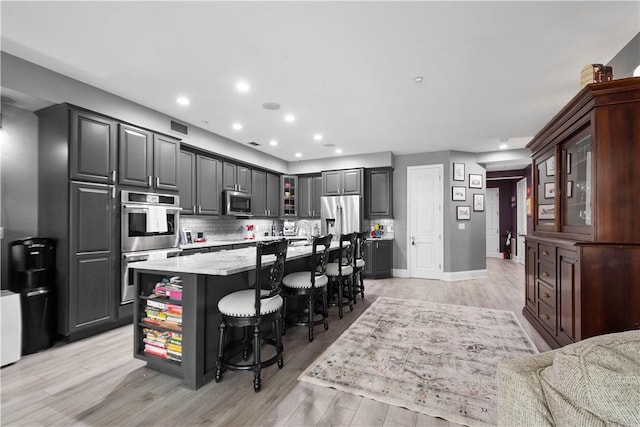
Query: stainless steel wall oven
x=150 y=229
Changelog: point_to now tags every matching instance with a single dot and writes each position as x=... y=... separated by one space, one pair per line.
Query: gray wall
x=18 y=179
x=627 y=59
x=464 y=250
x=28 y=78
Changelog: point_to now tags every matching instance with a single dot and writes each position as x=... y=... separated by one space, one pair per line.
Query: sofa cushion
x=595 y=381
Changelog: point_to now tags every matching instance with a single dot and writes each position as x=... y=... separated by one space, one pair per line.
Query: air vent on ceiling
x=253 y=143
x=179 y=127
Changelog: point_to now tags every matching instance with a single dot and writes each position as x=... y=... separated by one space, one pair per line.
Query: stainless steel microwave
x=237 y=203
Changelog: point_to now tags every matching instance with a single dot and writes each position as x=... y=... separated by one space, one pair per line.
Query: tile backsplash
x=229 y=228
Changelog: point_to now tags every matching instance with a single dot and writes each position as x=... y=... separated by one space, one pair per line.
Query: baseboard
x=400 y=272
x=464 y=275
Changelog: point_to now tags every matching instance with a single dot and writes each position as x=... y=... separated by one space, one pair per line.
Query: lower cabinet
x=575 y=290
x=89 y=300
x=378 y=258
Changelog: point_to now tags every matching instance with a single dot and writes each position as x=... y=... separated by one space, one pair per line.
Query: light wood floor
x=97 y=382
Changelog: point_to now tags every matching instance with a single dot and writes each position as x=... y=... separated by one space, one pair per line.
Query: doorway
x=425 y=222
x=492 y=206
x=521 y=219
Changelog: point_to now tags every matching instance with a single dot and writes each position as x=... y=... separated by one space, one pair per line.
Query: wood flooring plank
x=370 y=413
x=397 y=416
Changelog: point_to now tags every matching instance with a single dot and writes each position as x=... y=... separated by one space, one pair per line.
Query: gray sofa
x=594 y=382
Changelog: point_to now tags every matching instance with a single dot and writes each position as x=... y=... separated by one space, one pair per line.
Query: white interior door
x=522 y=219
x=426 y=221
x=492 y=206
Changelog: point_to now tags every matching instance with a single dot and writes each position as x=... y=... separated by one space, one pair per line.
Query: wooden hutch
x=583 y=256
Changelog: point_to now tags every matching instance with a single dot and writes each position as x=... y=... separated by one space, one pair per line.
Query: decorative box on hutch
x=583 y=256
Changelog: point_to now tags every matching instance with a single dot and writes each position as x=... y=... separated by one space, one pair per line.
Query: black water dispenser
x=32 y=269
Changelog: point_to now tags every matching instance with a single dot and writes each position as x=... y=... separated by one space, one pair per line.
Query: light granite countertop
x=222 y=263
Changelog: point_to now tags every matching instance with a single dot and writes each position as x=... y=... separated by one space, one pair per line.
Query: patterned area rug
x=436 y=359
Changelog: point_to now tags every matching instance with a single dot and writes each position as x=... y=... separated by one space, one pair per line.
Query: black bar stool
x=311 y=288
x=358 y=266
x=249 y=309
x=340 y=273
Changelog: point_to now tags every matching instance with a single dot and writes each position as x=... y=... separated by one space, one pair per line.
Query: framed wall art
x=463 y=212
x=459 y=193
x=458 y=171
x=549 y=190
x=475 y=180
x=478 y=202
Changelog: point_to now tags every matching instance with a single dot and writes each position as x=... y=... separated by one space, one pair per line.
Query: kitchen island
x=178 y=333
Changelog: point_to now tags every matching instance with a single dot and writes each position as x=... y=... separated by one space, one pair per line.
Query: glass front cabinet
x=583 y=255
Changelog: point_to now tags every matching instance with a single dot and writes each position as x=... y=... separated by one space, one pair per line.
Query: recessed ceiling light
x=298 y=154
x=243 y=86
x=273 y=142
x=271 y=106
x=237 y=126
x=289 y=118
x=419 y=79
x=183 y=100
x=338 y=150
x=503 y=146
x=317 y=137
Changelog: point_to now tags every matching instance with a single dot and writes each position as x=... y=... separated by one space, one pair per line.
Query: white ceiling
x=492 y=70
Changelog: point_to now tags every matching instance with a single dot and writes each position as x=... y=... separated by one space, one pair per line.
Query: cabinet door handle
x=546 y=295
x=113 y=176
x=149 y=180
x=113 y=192
x=157 y=181
x=545 y=253
x=545 y=274
x=199 y=208
x=546 y=316
x=194 y=209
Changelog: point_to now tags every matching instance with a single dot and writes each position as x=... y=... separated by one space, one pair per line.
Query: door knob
x=413 y=240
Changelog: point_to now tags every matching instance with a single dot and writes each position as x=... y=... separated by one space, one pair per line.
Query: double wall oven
x=150 y=225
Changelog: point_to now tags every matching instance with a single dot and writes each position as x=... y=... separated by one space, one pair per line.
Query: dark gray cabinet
x=265 y=196
x=378 y=258
x=208 y=188
x=200 y=184
x=236 y=177
x=147 y=160
x=310 y=192
x=187 y=182
x=79 y=209
x=342 y=182
x=379 y=193
x=92 y=253
x=92 y=146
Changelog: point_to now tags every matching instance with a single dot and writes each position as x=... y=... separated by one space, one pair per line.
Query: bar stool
x=358 y=266
x=308 y=286
x=251 y=308
x=340 y=273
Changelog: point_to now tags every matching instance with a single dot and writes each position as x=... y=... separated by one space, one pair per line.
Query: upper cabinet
x=586 y=177
x=379 y=193
x=342 y=182
x=147 y=159
x=289 y=190
x=200 y=184
x=265 y=197
x=310 y=192
x=93 y=147
x=236 y=177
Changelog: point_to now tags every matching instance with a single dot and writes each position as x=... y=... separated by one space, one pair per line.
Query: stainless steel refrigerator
x=341 y=215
